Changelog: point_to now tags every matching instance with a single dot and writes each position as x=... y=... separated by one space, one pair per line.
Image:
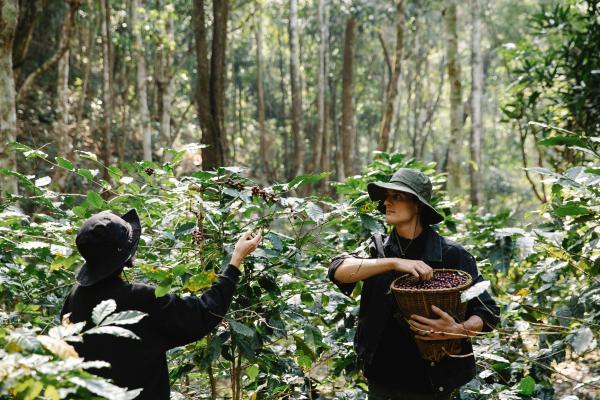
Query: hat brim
x=90 y=274
x=377 y=192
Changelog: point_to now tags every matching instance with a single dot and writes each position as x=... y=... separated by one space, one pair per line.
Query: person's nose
x=387 y=201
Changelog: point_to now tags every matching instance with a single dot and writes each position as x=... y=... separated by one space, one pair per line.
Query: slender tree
x=9 y=13
x=456 y=106
x=210 y=96
x=347 y=125
x=476 y=104
x=264 y=139
x=141 y=81
x=296 y=108
x=392 y=86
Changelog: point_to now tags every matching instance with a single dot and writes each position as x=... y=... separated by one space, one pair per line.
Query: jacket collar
x=433 y=245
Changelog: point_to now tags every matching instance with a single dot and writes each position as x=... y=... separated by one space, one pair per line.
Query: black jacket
x=377 y=306
x=172 y=321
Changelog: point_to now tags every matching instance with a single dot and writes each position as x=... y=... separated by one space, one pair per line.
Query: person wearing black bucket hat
x=388 y=353
x=108 y=244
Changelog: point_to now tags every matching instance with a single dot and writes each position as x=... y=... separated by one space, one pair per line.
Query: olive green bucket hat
x=411 y=181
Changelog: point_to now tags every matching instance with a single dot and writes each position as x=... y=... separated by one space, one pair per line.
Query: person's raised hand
x=245 y=245
x=416 y=268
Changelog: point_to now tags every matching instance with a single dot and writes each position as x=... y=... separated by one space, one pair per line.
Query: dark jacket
x=172 y=321
x=377 y=305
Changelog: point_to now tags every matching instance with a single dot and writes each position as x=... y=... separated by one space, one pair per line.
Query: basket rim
x=443 y=290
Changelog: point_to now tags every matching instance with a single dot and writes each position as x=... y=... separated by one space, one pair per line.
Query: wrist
x=236 y=260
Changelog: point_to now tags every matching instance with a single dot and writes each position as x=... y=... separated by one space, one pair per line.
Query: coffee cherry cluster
x=440 y=280
x=197 y=236
x=149 y=171
x=258 y=191
x=234 y=184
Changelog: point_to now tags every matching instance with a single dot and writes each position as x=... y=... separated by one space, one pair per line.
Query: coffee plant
x=289 y=331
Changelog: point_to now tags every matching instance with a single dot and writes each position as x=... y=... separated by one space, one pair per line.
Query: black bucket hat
x=411 y=181
x=106 y=242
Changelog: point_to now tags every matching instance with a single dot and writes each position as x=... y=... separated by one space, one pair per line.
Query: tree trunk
x=286 y=142
x=392 y=87
x=476 y=105
x=106 y=82
x=456 y=109
x=264 y=140
x=164 y=78
x=9 y=13
x=210 y=86
x=296 y=109
x=141 y=81
x=325 y=162
x=64 y=140
x=347 y=129
x=318 y=140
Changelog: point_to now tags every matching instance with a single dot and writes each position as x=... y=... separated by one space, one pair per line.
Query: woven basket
x=419 y=302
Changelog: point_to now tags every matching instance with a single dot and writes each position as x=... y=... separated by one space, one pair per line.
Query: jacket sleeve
x=483 y=305
x=183 y=320
x=347 y=288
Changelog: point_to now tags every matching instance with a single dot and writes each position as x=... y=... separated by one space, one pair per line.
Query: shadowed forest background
x=210 y=117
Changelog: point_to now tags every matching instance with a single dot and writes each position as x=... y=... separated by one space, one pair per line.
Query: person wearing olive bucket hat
x=108 y=243
x=388 y=353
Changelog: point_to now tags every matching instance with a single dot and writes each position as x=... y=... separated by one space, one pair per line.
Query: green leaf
x=562 y=140
x=86 y=173
x=112 y=330
x=88 y=155
x=570 y=209
x=306 y=179
x=252 y=372
x=63 y=162
x=240 y=328
x=94 y=199
x=103 y=310
x=474 y=291
x=105 y=389
x=582 y=340
x=114 y=172
x=164 y=287
x=526 y=386
x=124 y=318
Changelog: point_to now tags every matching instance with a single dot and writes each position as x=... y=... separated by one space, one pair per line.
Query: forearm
x=358 y=269
x=473 y=325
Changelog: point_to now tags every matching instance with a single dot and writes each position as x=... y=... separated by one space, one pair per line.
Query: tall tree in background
x=347 y=129
x=392 y=85
x=106 y=81
x=210 y=89
x=9 y=13
x=296 y=108
x=322 y=131
x=141 y=81
x=264 y=140
x=476 y=103
x=163 y=72
x=456 y=107
x=64 y=139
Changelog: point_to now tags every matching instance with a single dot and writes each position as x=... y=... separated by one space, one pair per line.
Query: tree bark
x=347 y=129
x=318 y=140
x=392 y=87
x=164 y=78
x=476 y=105
x=210 y=87
x=64 y=140
x=325 y=162
x=106 y=82
x=456 y=106
x=296 y=109
x=264 y=139
x=141 y=81
x=9 y=13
